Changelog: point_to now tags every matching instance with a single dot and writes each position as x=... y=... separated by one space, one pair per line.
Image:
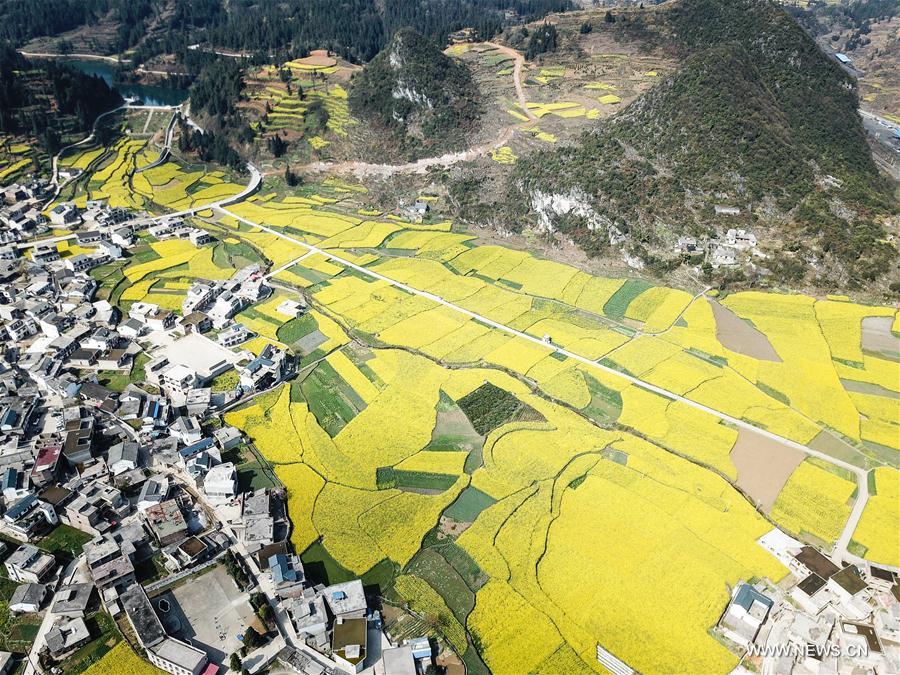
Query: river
x=149 y=94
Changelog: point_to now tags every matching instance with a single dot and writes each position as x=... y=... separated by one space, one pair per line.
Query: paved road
x=167 y=145
x=861 y=474
x=49 y=240
x=85 y=57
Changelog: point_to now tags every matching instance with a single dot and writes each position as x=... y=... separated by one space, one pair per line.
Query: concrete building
x=166 y=522
x=346 y=600
x=28 y=564
x=745 y=614
x=123 y=457
x=107 y=564
x=64 y=214
x=66 y=636
x=220 y=483
x=72 y=601
x=154 y=491
x=288 y=575
x=177 y=657
x=398 y=661
x=348 y=643
x=27 y=598
x=163 y=651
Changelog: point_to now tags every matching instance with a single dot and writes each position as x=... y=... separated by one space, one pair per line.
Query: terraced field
x=289 y=101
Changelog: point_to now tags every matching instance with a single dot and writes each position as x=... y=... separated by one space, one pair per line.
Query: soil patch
x=449 y=527
x=450 y=661
x=835 y=447
x=318 y=58
x=739 y=336
x=868 y=388
x=877 y=336
x=764 y=466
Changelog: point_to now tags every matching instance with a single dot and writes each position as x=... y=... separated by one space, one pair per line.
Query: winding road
x=84 y=57
x=517 y=76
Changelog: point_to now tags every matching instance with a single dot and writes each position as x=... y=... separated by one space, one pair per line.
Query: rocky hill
x=425 y=100
x=758 y=118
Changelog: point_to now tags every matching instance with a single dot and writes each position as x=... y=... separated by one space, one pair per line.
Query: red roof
x=211 y=669
x=47 y=457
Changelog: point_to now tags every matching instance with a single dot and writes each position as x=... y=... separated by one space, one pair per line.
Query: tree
x=290 y=178
x=608 y=17
x=586 y=28
x=277 y=146
x=541 y=41
x=235 y=663
x=252 y=639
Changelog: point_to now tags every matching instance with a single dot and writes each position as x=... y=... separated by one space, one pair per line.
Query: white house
x=746 y=612
x=740 y=238
x=226 y=306
x=199 y=237
x=27 y=598
x=64 y=214
x=220 y=483
x=723 y=255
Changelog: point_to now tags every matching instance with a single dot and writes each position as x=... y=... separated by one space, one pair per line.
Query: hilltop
x=424 y=98
x=756 y=117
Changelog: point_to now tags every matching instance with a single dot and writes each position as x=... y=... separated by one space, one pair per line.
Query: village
x=141 y=484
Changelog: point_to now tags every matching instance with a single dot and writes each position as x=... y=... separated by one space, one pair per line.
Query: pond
x=148 y=94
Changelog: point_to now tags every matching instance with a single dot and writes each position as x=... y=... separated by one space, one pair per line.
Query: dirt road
x=517 y=76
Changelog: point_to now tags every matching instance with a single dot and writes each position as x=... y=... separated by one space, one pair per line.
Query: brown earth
x=877 y=336
x=764 y=466
x=318 y=58
x=739 y=336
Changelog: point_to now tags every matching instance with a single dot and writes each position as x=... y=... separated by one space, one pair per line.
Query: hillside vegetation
x=756 y=117
x=47 y=100
x=425 y=99
x=355 y=29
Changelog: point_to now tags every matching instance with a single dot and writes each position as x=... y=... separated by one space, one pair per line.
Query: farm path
x=517 y=76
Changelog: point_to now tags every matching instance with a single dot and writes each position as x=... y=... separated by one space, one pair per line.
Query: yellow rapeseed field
x=877 y=529
x=122 y=659
x=352 y=376
x=446 y=462
x=657 y=308
x=805 y=375
x=814 y=500
x=841 y=324
x=303 y=485
x=426 y=602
